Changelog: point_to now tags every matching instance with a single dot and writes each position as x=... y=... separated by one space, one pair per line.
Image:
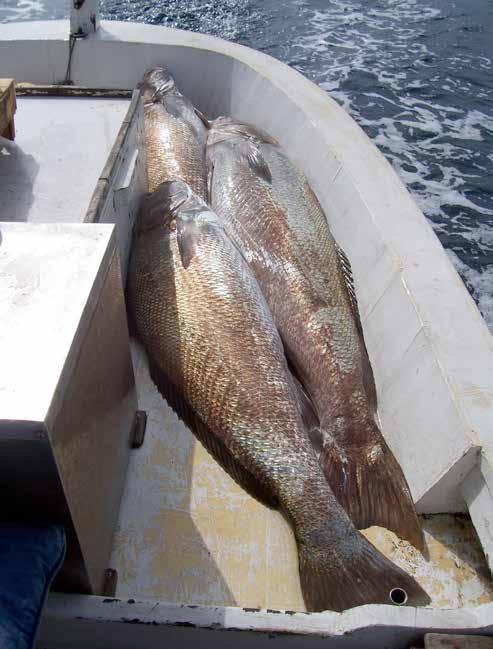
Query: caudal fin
x=369 y=483
x=338 y=577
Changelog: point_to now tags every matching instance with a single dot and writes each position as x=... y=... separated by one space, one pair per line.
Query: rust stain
x=455 y=574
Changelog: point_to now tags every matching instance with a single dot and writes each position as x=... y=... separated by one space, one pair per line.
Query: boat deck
x=49 y=172
x=187 y=533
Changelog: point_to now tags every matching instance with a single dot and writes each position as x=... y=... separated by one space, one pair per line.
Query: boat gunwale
x=382 y=621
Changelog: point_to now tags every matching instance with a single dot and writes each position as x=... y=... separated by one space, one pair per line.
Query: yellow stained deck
x=188 y=533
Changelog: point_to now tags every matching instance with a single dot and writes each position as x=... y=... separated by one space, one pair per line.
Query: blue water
x=416 y=74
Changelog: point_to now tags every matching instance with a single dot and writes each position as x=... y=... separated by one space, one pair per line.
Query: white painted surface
x=75 y=622
x=48 y=174
x=67 y=389
x=48 y=273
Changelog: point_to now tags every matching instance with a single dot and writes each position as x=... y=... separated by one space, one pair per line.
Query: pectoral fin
x=187 y=235
x=256 y=161
x=250 y=155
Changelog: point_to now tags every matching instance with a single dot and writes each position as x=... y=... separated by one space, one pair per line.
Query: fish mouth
x=156 y=83
x=398 y=596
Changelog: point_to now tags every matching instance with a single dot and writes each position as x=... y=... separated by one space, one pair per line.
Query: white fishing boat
x=162 y=546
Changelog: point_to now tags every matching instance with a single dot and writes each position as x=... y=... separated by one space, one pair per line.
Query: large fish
x=307 y=282
x=175 y=134
x=218 y=359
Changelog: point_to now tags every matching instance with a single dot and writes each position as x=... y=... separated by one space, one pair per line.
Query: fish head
x=171 y=200
x=229 y=149
x=239 y=143
x=226 y=128
x=161 y=206
x=174 y=205
x=156 y=83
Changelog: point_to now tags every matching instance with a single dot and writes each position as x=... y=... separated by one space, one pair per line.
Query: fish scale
x=194 y=361
x=175 y=134
x=277 y=221
x=210 y=338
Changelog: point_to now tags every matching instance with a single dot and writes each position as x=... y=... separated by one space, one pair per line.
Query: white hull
x=431 y=351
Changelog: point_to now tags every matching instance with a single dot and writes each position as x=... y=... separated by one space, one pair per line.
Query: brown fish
x=218 y=359
x=175 y=134
x=306 y=279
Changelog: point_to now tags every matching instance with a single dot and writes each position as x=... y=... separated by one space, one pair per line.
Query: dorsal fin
x=347 y=273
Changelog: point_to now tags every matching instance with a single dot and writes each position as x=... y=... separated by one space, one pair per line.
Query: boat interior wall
x=68 y=390
x=478 y=498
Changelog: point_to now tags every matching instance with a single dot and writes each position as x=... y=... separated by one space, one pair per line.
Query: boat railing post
x=84 y=17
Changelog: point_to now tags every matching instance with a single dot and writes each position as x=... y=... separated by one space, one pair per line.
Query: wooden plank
x=7 y=108
x=32 y=90
x=445 y=641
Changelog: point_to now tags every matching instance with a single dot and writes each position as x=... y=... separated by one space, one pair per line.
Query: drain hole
x=398 y=596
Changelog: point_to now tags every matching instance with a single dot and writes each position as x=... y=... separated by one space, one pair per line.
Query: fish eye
x=398 y=596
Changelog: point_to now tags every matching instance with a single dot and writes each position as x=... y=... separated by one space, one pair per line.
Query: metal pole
x=84 y=17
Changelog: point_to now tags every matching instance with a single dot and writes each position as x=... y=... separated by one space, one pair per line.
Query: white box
x=67 y=392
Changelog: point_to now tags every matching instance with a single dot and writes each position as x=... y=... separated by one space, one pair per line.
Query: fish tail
x=370 y=485
x=341 y=575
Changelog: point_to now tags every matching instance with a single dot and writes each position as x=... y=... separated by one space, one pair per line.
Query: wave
x=423 y=95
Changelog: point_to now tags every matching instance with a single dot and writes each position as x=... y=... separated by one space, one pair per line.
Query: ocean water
x=417 y=75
